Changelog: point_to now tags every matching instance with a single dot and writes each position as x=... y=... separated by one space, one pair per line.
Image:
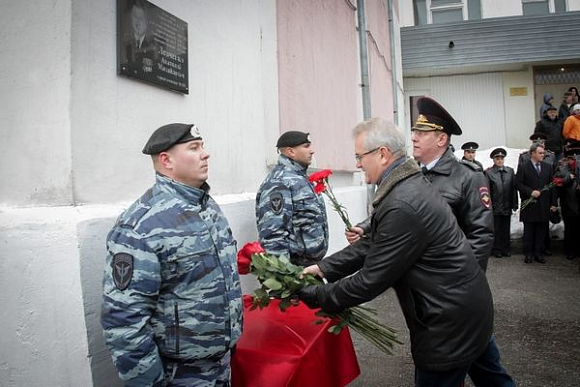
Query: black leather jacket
x=504 y=196
x=416 y=247
x=465 y=188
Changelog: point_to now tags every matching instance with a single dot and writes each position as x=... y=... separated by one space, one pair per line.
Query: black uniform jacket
x=416 y=247
x=504 y=196
x=465 y=188
x=528 y=180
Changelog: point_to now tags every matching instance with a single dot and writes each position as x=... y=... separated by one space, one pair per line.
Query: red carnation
x=558 y=181
x=245 y=256
x=319 y=187
x=320 y=176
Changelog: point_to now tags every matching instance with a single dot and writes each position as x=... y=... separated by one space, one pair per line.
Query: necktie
x=424 y=170
x=501 y=172
x=538 y=168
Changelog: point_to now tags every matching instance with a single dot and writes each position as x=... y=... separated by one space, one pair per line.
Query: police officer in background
x=469 y=149
x=172 y=304
x=464 y=187
x=504 y=199
x=291 y=218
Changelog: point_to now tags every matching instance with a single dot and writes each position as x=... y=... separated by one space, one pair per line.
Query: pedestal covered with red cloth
x=284 y=349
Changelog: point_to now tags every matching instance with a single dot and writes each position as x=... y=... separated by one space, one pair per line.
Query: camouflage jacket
x=291 y=218
x=171 y=286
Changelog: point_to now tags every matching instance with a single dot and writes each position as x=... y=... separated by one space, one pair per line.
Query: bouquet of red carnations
x=322 y=185
x=556 y=182
x=282 y=279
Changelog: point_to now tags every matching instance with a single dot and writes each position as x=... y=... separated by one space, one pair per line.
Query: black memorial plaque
x=152 y=45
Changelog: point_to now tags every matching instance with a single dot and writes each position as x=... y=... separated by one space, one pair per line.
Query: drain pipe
x=364 y=60
x=365 y=87
x=394 y=81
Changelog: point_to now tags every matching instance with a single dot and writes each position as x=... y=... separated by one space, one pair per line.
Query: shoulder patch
x=484 y=196
x=276 y=202
x=471 y=165
x=122 y=270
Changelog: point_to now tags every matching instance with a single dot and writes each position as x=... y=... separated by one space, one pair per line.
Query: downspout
x=394 y=81
x=365 y=87
x=364 y=60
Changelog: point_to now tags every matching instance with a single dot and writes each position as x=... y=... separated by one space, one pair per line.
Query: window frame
x=459 y=4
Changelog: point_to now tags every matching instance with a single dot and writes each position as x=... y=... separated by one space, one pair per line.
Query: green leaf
x=271 y=283
x=285 y=304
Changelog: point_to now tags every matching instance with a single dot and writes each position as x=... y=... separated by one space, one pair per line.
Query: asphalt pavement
x=537 y=325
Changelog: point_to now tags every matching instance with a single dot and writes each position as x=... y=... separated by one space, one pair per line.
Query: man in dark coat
x=416 y=247
x=551 y=126
x=504 y=199
x=532 y=180
x=569 y=192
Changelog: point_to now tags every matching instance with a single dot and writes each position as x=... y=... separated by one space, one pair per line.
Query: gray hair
x=534 y=147
x=380 y=132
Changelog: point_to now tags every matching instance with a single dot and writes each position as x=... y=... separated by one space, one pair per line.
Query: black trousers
x=534 y=238
x=571 y=233
x=501 y=240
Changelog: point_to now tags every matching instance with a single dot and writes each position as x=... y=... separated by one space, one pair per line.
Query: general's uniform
x=291 y=217
x=172 y=302
x=464 y=187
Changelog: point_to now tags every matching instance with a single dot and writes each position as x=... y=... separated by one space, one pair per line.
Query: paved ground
x=537 y=326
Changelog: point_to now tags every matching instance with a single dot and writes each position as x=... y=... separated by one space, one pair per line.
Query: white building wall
x=475 y=101
x=35 y=79
x=520 y=119
x=112 y=116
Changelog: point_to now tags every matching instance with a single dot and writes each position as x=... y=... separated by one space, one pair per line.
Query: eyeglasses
x=358 y=158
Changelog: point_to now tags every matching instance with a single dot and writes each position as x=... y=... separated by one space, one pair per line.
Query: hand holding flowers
x=556 y=182
x=281 y=279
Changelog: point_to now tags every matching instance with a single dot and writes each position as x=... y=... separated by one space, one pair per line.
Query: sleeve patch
x=276 y=202
x=122 y=270
x=484 y=197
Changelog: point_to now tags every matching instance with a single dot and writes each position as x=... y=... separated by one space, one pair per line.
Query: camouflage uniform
x=291 y=218
x=171 y=288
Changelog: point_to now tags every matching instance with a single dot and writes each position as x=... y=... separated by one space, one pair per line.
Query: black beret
x=497 y=152
x=470 y=146
x=168 y=135
x=433 y=116
x=293 y=138
x=538 y=136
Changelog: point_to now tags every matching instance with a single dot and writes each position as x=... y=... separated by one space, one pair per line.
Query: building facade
x=490 y=62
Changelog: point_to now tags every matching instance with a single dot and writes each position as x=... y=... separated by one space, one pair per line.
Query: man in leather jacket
x=416 y=247
x=465 y=189
x=504 y=199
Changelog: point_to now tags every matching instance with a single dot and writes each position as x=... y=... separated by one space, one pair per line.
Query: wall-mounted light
x=451 y=44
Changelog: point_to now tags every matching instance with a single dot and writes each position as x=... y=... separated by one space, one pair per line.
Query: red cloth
x=286 y=349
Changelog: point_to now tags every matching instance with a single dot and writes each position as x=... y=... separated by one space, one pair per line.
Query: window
x=560 y=6
x=535 y=7
x=445 y=11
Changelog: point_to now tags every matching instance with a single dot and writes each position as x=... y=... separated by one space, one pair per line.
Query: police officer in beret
x=464 y=186
x=291 y=218
x=469 y=149
x=172 y=302
x=504 y=200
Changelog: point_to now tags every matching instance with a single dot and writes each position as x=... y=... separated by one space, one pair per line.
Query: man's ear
x=443 y=140
x=385 y=154
x=165 y=160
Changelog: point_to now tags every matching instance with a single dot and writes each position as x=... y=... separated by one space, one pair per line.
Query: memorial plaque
x=152 y=45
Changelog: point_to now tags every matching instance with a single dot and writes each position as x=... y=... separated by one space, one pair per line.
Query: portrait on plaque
x=152 y=45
